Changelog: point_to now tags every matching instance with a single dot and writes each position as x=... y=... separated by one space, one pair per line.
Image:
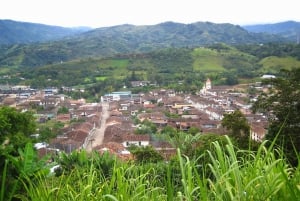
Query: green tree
x=62 y=110
x=145 y=154
x=15 y=131
x=238 y=127
x=282 y=105
x=147 y=127
x=193 y=130
x=168 y=130
x=15 y=128
x=185 y=142
x=230 y=78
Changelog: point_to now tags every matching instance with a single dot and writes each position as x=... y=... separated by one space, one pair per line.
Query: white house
x=138 y=140
x=268 y=76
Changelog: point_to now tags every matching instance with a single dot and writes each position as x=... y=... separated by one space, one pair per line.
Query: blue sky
x=103 y=13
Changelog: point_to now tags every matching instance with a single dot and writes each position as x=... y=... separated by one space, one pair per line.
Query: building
x=207 y=86
x=117 y=96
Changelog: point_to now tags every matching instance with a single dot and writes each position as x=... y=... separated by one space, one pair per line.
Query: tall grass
x=229 y=174
x=257 y=176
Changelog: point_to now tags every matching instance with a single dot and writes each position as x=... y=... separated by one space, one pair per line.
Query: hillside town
x=110 y=125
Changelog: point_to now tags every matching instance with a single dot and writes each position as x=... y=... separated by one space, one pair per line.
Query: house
x=50 y=91
x=157 y=118
x=115 y=131
x=137 y=140
x=78 y=135
x=268 y=76
x=208 y=124
x=49 y=102
x=164 y=148
x=112 y=120
x=182 y=106
x=63 y=117
x=10 y=101
x=65 y=144
x=116 y=149
x=116 y=96
x=257 y=132
x=124 y=106
x=139 y=83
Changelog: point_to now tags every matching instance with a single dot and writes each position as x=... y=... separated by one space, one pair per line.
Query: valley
x=171 y=111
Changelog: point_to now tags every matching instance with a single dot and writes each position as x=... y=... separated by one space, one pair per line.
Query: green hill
x=223 y=63
x=126 y=39
x=206 y=60
x=287 y=29
x=166 y=65
x=14 y=32
x=273 y=64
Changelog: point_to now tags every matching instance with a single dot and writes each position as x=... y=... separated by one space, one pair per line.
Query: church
x=206 y=86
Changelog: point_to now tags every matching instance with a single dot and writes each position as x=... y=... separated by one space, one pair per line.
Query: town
x=111 y=124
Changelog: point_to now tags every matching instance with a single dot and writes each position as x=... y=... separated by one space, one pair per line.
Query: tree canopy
x=282 y=105
x=238 y=127
x=15 y=128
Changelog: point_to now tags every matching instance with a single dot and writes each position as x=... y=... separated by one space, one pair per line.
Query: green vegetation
x=182 y=69
x=281 y=104
x=110 y=41
x=261 y=175
x=273 y=64
x=16 y=152
x=206 y=167
x=145 y=154
x=207 y=60
x=15 y=129
x=238 y=127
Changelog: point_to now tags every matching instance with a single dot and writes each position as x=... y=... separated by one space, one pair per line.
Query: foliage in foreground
x=260 y=175
x=282 y=106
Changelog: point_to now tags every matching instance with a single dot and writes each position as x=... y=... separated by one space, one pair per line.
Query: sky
x=104 y=13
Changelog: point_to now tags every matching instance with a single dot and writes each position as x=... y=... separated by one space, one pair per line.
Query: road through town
x=96 y=137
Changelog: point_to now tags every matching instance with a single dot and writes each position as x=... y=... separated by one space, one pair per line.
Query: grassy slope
x=207 y=60
x=274 y=64
x=168 y=62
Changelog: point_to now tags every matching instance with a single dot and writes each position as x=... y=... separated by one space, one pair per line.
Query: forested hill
x=124 y=39
x=288 y=29
x=170 y=34
x=13 y=32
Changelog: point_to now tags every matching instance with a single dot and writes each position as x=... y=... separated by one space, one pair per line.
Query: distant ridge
x=14 y=32
x=287 y=29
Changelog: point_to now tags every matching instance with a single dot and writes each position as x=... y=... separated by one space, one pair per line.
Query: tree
x=147 y=127
x=169 y=130
x=63 y=110
x=15 y=131
x=15 y=128
x=145 y=154
x=282 y=106
x=230 y=78
x=186 y=142
x=193 y=130
x=133 y=76
x=238 y=127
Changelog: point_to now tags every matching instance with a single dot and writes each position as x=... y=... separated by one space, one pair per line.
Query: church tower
x=208 y=84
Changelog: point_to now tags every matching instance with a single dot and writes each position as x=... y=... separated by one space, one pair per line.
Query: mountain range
x=29 y=44
x=288 y=29
x=13 y=32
